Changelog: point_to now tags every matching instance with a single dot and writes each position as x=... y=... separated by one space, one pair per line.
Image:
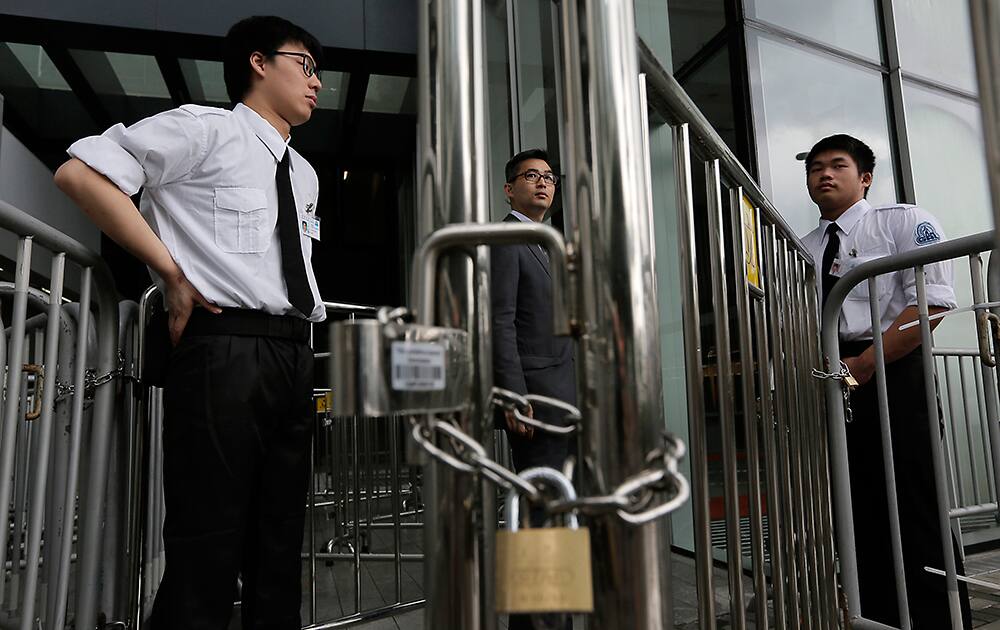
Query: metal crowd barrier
x=54 y=455
x=761 y=314
x=971 y=247
x=364 y=513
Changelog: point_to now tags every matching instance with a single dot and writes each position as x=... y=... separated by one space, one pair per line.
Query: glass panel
x=334 y=92
x=138 y=75
x=653 y=25
x=948 y=158
x=935 y=41
x=710 y=87
x=205 y=81
x=692 y=24
x=498 y=102
x=848 y=24
x=668 y=287
x=793 y=100
x=43 y=72
x=386 y=94
x=536 y=77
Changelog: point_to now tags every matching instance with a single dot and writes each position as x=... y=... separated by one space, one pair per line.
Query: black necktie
x=292 y=263
x=829 y=255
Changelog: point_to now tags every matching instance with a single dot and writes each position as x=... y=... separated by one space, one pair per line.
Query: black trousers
x=238 y=424
x=916 y=497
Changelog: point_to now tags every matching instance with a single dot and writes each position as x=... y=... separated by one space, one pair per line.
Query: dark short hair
x=860 y=152
x=510 y=170
x=263 y=34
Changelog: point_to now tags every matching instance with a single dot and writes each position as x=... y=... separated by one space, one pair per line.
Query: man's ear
x=866 y=180
x=257 y=61
x=508 y=190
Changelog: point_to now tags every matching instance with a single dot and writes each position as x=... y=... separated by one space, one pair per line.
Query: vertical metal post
x=39 y=479
x=453 y=144
x=927 y=349
x=749 y=403
x=606 y=195
x=823 y=495
x=724 y=376
x=887 y=457
x=979 y=296
x=776 y=295
x=10 y=419
x=984 y=16
x=694 y=370
x=790 y=365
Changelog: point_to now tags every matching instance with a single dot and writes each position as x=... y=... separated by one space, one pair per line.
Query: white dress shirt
x=208 y=191
x=867 y=233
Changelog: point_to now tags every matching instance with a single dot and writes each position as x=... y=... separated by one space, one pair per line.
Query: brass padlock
x=543 y=570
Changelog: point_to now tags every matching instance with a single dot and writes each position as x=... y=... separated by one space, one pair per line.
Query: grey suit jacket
x=527 y=357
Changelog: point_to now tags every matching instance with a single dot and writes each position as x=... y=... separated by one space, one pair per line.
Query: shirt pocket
x=883 y=283
x=241 y=225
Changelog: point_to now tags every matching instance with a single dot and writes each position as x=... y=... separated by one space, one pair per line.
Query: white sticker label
x=417 y=367
x=310 y=227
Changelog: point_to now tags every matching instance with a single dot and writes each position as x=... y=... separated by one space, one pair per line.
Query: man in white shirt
x=225 y=225
x=839 y=171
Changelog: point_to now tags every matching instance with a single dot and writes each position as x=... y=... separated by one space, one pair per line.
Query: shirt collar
x=850 y=218
x=264 y=130
x=520 y=216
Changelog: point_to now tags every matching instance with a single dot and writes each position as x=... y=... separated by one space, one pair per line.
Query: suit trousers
x=916 y=497
x=237 y=430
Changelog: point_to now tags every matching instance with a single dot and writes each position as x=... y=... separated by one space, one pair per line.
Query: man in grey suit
x=527 y=357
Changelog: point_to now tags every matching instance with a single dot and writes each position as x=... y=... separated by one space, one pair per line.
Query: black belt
x=243 y=322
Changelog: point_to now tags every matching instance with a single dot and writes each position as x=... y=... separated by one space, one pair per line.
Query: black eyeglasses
x=308 y=64
x=532 y=177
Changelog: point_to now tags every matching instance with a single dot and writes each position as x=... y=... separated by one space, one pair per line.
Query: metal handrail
x=669 y=99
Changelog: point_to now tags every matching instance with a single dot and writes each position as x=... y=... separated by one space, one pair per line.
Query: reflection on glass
x=692 y=24
x=138 y=75
x=848 y=24
x=205 y=81
x=935 y=41
x=949 y=175
x=653 y=25
x=948 y=158
x=36 y=63
x=536 y=76
x=806 y=96
x=389 y=95
x=668 y=286
x=333 y=94
x=710 y=87
x=497 y=102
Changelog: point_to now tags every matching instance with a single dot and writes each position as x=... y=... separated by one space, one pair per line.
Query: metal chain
x=91 y=381
x=522 y=405
x=631 y=500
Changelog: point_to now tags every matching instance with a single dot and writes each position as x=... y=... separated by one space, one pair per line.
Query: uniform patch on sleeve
x=925 y=234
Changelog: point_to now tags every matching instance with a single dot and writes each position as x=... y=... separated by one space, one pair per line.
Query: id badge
x=310 y=227
x=838 y=268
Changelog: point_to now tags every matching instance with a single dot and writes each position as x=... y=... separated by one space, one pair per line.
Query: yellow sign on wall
x=750 y=252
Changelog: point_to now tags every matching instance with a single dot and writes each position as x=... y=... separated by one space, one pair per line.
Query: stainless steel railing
x=969 y=247
x=25 y=477
x=761 y=317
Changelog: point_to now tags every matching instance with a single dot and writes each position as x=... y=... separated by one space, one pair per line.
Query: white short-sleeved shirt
x=208 y=191
x=867 y=233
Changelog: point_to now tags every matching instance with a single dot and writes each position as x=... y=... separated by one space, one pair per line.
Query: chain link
x=631 y=500
x=523 y=405
x=91 y=380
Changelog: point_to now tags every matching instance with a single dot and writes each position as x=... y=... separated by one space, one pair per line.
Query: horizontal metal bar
x=374 y=557
x=346 y=307
x=368 y=615
x=972 y=510
x=956 y=352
